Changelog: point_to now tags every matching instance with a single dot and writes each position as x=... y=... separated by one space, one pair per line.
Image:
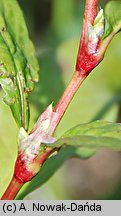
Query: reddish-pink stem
x=12 y=189
x=15 y=185
x=42 y=157
x=69 y=93
x=91 y=9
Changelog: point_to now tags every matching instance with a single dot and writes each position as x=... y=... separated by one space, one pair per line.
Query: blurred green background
x=55 y=28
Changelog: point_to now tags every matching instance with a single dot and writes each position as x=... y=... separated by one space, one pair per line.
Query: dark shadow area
x=37 y=13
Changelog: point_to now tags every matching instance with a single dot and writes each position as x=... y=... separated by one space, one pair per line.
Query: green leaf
x=95 y=135
x=48 y=169
x=8 y=149
x=112 y=14
x=18 y=65
x=83 y=140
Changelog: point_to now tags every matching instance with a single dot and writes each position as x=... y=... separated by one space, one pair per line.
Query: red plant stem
x=69 y=93
x=90 y=13
x=40 y=159
x=91 y=9
x=15 y=185
x=12 y=189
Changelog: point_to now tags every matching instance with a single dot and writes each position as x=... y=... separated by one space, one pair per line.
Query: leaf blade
x=112 y=18
x=17 y=59
x=94 y=135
